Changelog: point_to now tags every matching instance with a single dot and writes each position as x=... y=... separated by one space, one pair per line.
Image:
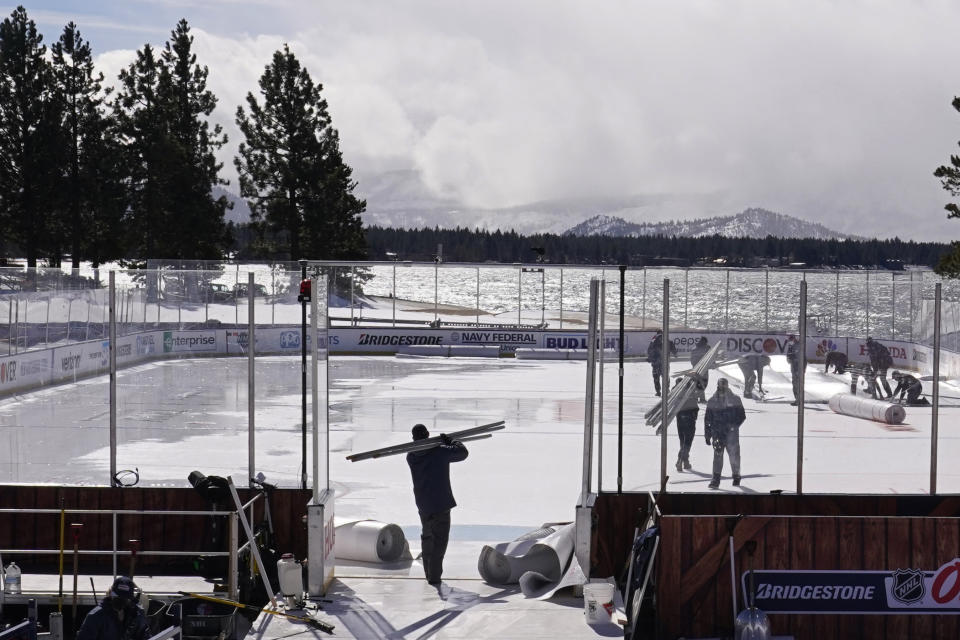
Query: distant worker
x=687 y=420
x=699 y=350
x=793 y=357
x=118 y=616
x=880 y=360
x=430 y=469
x=722 y=429
x=907 y=384
x=752 y=368
x=836 y=359
x=866 y=372
x=655 y=357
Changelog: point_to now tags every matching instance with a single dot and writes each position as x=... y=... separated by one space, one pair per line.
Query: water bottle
x=11 y=579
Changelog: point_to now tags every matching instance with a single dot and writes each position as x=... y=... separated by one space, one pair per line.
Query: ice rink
x=175 y=416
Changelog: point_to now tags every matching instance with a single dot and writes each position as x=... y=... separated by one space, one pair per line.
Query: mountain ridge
x=753 y=222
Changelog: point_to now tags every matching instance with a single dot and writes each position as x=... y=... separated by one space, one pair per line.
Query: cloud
x=836 y=112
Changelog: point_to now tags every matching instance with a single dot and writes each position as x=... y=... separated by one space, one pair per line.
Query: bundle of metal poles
x=473 y=433
x=679 y=393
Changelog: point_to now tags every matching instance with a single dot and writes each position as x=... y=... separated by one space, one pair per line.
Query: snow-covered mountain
x=750 y=223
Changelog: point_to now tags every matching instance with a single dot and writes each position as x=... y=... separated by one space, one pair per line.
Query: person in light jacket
x=721 y=423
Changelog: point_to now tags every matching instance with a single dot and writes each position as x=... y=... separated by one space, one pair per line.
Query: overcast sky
x=836 y=112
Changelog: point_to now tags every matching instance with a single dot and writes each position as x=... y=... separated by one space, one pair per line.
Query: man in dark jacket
x=430 y=469
x=722 y=429
x=881 y=361
x=687 y=420
x=118 y=617
x=655 y=357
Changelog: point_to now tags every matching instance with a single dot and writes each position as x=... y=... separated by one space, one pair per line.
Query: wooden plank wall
x=693 y=588
x=155 y=533
x=616 y=515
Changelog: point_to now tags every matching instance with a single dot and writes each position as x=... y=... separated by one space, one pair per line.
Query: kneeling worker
x=430 y=469
x=907 y=384
x=118 y=616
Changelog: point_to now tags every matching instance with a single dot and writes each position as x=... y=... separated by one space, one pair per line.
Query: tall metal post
x=802 y=369
x=726 y=305
x=589 y=395
x=251 y=381
x=623 y=272
x=436 y=288
x=478 y=295
x=935 y=414
x=766 y=300
x=893 y=306
x=393 y=312
x=643 y=302
x=303 y=379
x=836 y=307
x=520 y=296
x=315 y=395
x=113 y=379
x=561 y=297
x=353 y=272
x=664 y=384
x=868 y=303
x=686 y=295
x=600 y=340
x=911 y=307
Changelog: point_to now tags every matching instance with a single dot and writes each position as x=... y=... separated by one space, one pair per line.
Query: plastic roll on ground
x=451 y=351
x=559 y=354
x=368 y=541
x=850 y=405
x=534 y=560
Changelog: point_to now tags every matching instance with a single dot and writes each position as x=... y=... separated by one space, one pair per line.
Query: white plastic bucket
x=598 y=602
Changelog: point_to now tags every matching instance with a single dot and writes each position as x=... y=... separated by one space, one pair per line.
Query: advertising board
x=901 y=591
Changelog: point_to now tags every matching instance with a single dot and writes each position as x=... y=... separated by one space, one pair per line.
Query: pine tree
x=161 y=109
x=194 y=211
x=949 y=264
x=28 y=136
x=92 y=200
x=291 y=169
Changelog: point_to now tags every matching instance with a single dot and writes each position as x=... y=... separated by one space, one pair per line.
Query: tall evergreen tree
x=161 y=108
x=28 y=136
x=291 y=169
x=92 y=200
x=949 y=264
x=198 y=215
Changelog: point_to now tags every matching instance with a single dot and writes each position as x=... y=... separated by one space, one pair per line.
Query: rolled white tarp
x=368 y=541
x=538 y=561
x=525 y=353
x=451 y=351
x=850 y=405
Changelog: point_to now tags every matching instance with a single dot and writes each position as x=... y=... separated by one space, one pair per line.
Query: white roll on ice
x=850 y=405
x=368 y=541
x=451 y=351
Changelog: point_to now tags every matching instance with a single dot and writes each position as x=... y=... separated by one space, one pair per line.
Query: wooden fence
x=155 y=533
x=791 y=532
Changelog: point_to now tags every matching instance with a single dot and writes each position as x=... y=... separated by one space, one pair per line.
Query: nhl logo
x=908 y=585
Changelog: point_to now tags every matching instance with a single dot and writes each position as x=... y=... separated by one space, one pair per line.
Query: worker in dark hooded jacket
x=118 y=616
x=721 y=425
x=430 y=469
